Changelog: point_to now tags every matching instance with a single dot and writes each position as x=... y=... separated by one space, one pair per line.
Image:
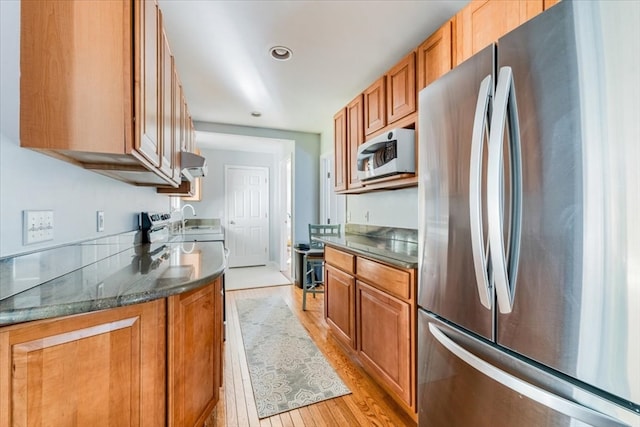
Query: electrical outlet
x=37 y=226
x=100 y=220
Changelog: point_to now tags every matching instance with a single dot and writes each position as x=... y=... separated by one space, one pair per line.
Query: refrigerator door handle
x=544 y=397
x=504 y=263
x=480 y=130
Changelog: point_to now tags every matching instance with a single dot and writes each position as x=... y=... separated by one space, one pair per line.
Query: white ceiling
x=221 y=50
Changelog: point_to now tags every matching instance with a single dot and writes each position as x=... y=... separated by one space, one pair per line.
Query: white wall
x=30 y=180
x=393 y=208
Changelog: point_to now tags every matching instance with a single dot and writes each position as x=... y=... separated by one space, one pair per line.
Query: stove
x=155 y=226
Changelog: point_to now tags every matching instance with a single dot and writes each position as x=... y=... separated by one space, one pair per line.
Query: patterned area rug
x=287 y=370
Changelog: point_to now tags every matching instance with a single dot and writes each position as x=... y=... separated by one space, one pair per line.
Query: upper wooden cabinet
x=401 y=89
x=436 y=55
x=482 y=22
x=96 y=88
x=375 y=115
x=169 y=146
x=340 y=150
x=355 y=137
x=549 y=3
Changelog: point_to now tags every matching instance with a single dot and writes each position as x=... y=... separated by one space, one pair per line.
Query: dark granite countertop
x=397 y=247
x=122 y=276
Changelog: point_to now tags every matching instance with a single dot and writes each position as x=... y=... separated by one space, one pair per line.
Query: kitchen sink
x=200 y=230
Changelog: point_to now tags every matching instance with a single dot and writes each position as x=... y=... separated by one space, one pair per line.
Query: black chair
x=313 y=261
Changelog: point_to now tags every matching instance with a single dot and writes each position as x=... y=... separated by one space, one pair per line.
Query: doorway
x=247 y=214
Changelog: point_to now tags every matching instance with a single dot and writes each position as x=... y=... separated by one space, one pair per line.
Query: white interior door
x=247 y=205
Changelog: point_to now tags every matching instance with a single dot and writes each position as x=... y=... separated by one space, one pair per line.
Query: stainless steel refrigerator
x=529 y=220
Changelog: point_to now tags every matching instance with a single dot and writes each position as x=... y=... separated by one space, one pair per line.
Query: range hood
x=192 y=166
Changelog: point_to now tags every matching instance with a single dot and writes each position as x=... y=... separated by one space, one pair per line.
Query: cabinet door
x=401 y=89
x=482 y=22
x=340 y=150
x=76 y=76
x=384 y=338
x=147 y=82
x=355 y=137
x=549 y=3
x=105 y=368
x=375 y=116
x=194 y=354
x=167 y=157
x=178 y=126
x=339 y=301
x=436 y=55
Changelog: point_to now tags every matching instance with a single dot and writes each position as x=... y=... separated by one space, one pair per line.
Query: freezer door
x=463 y=381
x=453 y=256
x=576 y=295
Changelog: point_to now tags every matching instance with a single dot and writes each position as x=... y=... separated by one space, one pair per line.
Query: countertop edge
x=16 y=316
x=11 y=317
x=370 y=255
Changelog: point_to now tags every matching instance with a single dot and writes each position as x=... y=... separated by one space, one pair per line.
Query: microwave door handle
x=504 y=108
x=480 y=130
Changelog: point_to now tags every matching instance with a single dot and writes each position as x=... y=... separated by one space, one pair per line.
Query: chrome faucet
x=193 y=210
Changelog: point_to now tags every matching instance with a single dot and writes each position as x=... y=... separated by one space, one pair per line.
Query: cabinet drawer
x=342 y=260
x=392 y=280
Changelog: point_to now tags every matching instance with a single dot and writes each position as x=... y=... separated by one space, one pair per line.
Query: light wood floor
x=368 y=405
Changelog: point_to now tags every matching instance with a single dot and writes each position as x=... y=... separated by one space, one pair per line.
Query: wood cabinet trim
x=340 y=259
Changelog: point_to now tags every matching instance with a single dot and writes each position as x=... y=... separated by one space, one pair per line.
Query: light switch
x=37 y=226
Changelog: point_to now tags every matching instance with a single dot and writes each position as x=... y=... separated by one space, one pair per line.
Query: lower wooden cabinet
x=195 y=354
x=384 y=338
x=371 y=308
x=98 y=369
x=153 y=364
x=340 y=292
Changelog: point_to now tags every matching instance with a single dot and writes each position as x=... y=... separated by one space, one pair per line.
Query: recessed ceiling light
x=280 y=53
x=256 y=113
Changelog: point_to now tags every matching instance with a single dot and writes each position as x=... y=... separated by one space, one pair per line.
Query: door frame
x=285 y=196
